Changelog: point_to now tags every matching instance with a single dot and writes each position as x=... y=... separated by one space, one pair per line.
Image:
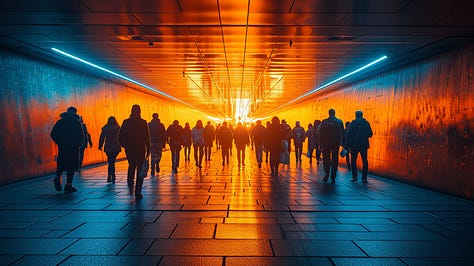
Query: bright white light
x=242 y=109
x=120 y=76
x=332 y=82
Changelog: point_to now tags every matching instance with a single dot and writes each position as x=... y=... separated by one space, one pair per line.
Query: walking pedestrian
x=331 y=138
x=157 y=142
x=198 y=143
x=109 y=137
x=175 y=135
x=68 y=135
x=358 y=142
x=135 y=138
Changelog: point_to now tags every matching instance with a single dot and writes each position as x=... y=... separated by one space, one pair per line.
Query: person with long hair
x=109 y=136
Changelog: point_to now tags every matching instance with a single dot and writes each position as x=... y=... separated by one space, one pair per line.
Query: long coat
x=68 y=135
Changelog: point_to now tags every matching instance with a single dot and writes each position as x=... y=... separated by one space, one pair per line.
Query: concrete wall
x=33 y=93
x=422 y=116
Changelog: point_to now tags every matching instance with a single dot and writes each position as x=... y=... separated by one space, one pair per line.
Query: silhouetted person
x=287 y=135
x=225 y=140
x=259 y=134
x=87 y=140
x=241 y=139
x=311 y=141
x=187 y=141
x=198 y=143
x=358 y=142
x=348 y=154
x=299 y=136
x=68 y=135
x=109 y=136
x=218 y=145
x=135 y=138
x=275 y=137
x=209 y=136
x=157 y=142
x=331 y=137
x=267 y=151
x=175 y=135
x=317 y=130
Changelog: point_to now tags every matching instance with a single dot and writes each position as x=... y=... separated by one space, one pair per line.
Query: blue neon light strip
x=332 y=82
x=121 y=76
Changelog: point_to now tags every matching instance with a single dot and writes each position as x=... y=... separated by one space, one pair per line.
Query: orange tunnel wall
x=33 y=95
x=422 y=116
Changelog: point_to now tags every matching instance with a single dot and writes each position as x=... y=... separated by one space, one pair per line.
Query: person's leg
x=355 y=153
x=81 y=158
x=139 y=180
x=334 y=161
x=195 y=155
x=201 y=155
x=243 y=156
x=111 y=160
x=159 y=154
x=365 y=163
x=326 y=151
x=70 y=176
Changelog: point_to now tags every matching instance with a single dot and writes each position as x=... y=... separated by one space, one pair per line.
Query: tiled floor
x=223 y=215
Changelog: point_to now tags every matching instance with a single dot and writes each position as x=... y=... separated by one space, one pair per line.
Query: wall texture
x=33 y=93
x=422 y=116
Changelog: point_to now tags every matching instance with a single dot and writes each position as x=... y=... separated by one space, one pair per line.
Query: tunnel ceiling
x=228 y=56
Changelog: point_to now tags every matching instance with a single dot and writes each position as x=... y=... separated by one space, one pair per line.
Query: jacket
x=109 y=136
x=359 y=133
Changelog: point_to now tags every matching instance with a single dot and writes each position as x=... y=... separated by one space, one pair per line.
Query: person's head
x=136 y=111
x=208 y=123
x=283 y=121
x=224 y=124
x=359 y=114
x=317 y=123
x=199 y=124
x=176 y=122
x=297 y=123
x=154 y=115
x=310 y=125
x=259 y=122
x=332 y=112
x=276 y=120
x=186 y=125
x=268 y=123
x=239 y=124
x=72 y=109
x=112 y=120
x=348 y=124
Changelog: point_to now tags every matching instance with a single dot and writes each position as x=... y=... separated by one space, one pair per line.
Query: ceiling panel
x=213 y=53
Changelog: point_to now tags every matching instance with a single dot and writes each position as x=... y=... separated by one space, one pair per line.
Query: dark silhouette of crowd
x=141 y=139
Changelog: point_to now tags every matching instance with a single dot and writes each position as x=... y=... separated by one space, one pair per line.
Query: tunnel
x=406 y=64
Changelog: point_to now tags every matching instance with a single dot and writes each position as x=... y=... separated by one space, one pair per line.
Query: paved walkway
x=231 y=216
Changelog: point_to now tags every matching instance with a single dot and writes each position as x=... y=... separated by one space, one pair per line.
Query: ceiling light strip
x=331 y=82
x=120 y=76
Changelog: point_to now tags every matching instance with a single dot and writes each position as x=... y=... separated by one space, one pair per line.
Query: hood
x=69 y=115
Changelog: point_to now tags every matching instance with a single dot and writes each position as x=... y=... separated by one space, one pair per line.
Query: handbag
x=143 y=169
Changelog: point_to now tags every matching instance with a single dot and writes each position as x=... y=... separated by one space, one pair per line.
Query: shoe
x=57 y=184
x=326 y=178
x=354 y=180
x=364 y=179
x=138 y=196
x=109 y=179
x=69 y=188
